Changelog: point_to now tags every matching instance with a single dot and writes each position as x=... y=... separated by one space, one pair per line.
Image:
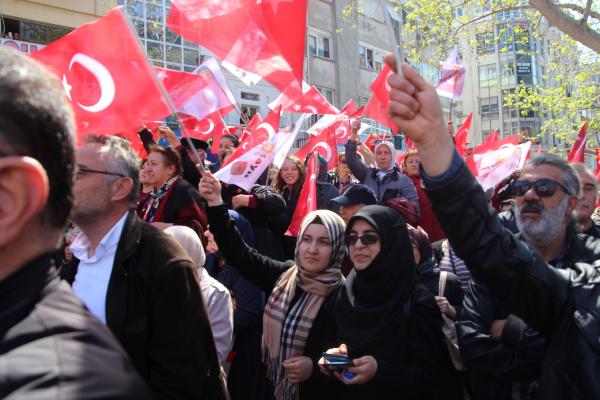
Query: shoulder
x=423 y=301
x=157 y=249
x=70 y=350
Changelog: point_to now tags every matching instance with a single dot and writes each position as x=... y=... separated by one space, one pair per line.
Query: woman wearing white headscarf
x=216 y=296
x=386 y=179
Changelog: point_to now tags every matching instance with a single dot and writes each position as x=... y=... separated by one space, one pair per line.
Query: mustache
x=535 y=207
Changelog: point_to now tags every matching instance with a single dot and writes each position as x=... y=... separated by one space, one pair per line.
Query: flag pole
x=396 y=46
x=166 y=96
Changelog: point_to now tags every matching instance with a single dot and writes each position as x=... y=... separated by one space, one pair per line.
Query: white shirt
x=220 y=313
x=93 y=272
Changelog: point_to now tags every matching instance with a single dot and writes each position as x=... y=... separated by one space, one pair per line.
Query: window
x=250 y=96
x=327 y=93
x=509 y=111
x=507 y=73
x=370 y=58
x=318 y=45
x=485 y=43
x=487 y=75
x=505 y=37
x=488 y=107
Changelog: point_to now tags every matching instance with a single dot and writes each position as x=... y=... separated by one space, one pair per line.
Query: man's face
x=347 y=212
x=541 y=219
x=91 y=191
x=587 y=201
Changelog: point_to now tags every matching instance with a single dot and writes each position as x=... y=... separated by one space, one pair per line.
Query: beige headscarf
x=189 y=240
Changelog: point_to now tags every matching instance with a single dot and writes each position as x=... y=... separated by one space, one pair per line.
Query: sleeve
x=178 y=347
x=407 y=188
x=146 y=138
x=483 y=353
x=193 y=214
x=509 y=268
x=250 y=302
x=424 y=348
x=220 y=312
x=358 y=169
x=190 y=172
x=268 y=201
x=454 y=293
x=257 y=268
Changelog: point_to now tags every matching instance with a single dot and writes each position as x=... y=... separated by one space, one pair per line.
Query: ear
x=121 y=189
x=573 y=201
x=23 y=194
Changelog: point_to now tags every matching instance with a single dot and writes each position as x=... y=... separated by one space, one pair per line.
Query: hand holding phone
x=337 y=361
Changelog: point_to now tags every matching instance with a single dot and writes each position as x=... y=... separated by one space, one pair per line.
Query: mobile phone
x=337 y=360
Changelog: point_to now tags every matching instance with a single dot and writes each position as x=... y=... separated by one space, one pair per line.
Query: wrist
x=215 y=202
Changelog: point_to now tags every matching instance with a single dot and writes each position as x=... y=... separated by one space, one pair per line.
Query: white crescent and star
x=102 y=75
x=266 y=126
x=211 y=126
x=342 y=129
x=325 y=147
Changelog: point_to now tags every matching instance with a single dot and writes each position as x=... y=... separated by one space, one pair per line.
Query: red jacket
x=428 y=221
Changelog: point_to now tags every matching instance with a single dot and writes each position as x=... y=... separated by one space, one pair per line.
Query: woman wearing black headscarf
x=388 y=325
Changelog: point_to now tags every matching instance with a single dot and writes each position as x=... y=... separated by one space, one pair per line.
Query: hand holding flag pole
x=168 y=100
x=396 y=47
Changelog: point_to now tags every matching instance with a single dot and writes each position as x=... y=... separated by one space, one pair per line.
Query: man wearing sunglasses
x=561 y=304
x=502 y=353
x=50 y=345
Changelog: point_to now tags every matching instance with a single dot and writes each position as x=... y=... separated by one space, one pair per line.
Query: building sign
x=23 y=47
x=524 y=69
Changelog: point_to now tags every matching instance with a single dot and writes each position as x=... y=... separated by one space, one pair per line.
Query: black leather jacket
x=560 y=304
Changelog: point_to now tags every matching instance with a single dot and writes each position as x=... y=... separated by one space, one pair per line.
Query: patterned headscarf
x=286 y=327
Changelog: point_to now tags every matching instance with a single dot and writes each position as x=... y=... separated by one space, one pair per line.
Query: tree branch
x=580 y=9
x=555 y=16
x=588 y=8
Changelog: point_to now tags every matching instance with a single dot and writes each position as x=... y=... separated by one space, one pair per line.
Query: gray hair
x=120 y=158
x=582 y=169
x=570 y=177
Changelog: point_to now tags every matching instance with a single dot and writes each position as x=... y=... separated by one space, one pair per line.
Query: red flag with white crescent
x=577 y=153
x=324 y=143
x=307 y=200
x=106 y=76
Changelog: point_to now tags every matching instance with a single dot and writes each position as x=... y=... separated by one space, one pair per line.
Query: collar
x=21 y=290
x=81 y=245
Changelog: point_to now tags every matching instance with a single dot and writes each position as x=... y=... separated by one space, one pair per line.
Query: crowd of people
x=408 y=281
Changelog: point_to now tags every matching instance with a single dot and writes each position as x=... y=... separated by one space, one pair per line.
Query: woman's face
x=225 y=145
x=383 y=157
x=144 y=174
x=289 y=172
x=412 y=165
x=314 y=250
x=361 y=254
x=343 y=167
x=158 y=173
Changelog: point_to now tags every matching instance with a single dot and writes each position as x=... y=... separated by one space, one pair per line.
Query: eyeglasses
x=543 y=187
x=367 y=239
x=84 y=170
x=343 y=161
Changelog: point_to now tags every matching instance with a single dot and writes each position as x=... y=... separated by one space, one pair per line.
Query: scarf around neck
x=286 y=326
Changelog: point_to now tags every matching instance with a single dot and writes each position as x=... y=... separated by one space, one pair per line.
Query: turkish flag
x=349 y=108
x=377 y=107
x=260 y=38
x=307 y=101
x=597 y=163
x=577 y=153
x=462 y=134
x=265 y=131
x=252 y=124
x=106 y=76
x=198 y=94
x=212 y=126
x=324 y=143
x=307 y=200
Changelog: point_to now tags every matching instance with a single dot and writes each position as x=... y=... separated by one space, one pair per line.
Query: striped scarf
x=286 y=327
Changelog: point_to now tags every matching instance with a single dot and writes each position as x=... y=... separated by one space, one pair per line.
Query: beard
x=547 y=229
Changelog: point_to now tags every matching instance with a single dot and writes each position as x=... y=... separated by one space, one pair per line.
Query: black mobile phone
x=337 y=360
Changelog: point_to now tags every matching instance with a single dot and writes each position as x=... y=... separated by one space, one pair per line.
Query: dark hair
x=37 y=121
x=570 y=177
x=279 y=185
x=120 y=157
x=170 y=157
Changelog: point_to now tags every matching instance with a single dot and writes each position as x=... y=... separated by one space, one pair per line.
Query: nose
x=312 y=247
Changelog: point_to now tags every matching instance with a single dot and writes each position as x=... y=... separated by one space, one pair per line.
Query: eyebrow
x=365 y=231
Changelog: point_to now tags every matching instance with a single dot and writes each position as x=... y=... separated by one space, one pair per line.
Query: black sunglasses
x=366 y=239
x=80 y=170
x=543 y=187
